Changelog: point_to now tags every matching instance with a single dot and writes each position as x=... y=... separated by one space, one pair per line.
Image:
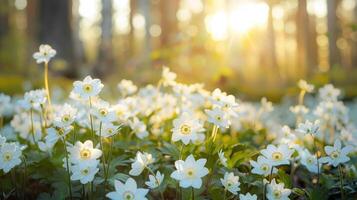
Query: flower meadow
x=174 y=141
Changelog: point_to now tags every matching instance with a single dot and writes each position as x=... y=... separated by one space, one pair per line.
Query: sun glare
x=241 y=19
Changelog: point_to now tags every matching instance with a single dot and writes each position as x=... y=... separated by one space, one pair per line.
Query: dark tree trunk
x=55 y=29
x=333 y=33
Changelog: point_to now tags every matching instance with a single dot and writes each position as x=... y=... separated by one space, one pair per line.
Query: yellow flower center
x=85 y=172
x=65 y=118
x=128 y=195
x=85 y=154
x=277 y=194
x=310 y=161
x=87 y=87
x=277 y=156
x=103 y=111
x=335 y=154
x=218 y=118
x=264 y=167
x=7 y=156
x=185 y=129
x=190 y=172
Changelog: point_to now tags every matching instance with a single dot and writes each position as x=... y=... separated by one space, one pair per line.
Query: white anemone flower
x=329 y=93
x=126 y=87
x=127 y=191
x=45 y=54
x=222 y=158
x=309 y=161
x=218 y=117
x=336 y=154
x=10 y=154
x=168 y=77
x=104 y=112
x=276 y=191
x=34 y=99
x=65 y=116
x=139 y=128
x=277 y=155
x=142 y=160
x=303 y=85
x=248 y=196
x=84 y=172
x=108 y=130
x=190 y=172
x=155 y=181
x=186 y=128
x=231 y=183
x=87 y=88
x=56 y=133
x=262 y=166
x=84 y=152
x=309 y=127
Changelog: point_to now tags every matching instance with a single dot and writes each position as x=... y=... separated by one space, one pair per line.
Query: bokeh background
x=253 y=48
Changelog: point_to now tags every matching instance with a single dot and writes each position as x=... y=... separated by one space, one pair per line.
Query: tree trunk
x=333 y=33
x=168 y=22
x=354 y=41
x=272 y=62
x=105 y=61
x=55 y=29
x=132 y=29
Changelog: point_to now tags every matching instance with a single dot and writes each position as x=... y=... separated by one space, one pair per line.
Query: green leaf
x=285 y=178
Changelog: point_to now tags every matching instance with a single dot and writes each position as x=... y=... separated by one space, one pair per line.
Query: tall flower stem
x=67 y=165
x=193 y=194
x=214 y=132
x=341 y=182
x=103 y=155
x=225 y=194
x=46 y=84
x=91 y=118
x=32 y=128
x=264 y=188
x=317 y=159
x=24 y=178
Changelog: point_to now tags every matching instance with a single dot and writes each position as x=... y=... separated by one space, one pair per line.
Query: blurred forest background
x=251 y=47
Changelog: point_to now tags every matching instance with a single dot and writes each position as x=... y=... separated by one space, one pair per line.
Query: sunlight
x=241 y=19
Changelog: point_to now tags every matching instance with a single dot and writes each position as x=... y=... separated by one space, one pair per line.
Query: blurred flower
x=266 y=106
x=142 y=160
x=247 y=196
x=218 y=117
x=84 y=172
x=87 y=88
x=222 y=159
x=309 y=127
x=108 y=130
x=262 y=166
x=168 y=77
x=303 y=85
x=329 y=93
x=34 y=99
x=45 y=54
x=65 y=116
x=190 y=172
x=5 y=104
x=10 y=154
x=231 y=182
x=126 y=87
x=277 y=191
x=56 y=133
x=186 y=128
x=103 y=112
x=127 y=191
x=299 y=110
x=336 y=154
x=277 y=155
x=155 y=181
x=139 y=128
x=309 y=160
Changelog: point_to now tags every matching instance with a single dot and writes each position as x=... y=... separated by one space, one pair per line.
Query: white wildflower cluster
x=174 y=141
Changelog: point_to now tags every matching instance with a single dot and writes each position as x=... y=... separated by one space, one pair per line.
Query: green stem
x=192 y=193
x=91 y=118
x=68 y=173
x=225 y=194
x=46 y=84
x=317 y=159
x=32 y=127
x=264 y=188
x=103 y=155
x=24 y=178
x=341 y=181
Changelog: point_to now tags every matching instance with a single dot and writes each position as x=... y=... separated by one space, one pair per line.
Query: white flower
x=34 y=99
x=142 y=160
x=46 y=146
x=277 y=191
x=65 y=116
x=155 y=181
x=309 y=160
x=103 y=112
x=87 y=88
x=218 y=117
x=329 y=93
x=190 y=172
x=299 y=110
x=2 y=140
x=108 y=130
x=127 y=191
x=168 y=77
x=10 y=154
x=84 y=172
x=5 y=104
x=126 y=87
x=247 y=196
x=56 y=133
x=262 y=166
x=139 y=128
x=186 y=128
x=45 y=54
x=336 y=154
x=309 y=127
x=277 y=155
x=222 y=159
x=226 y=102
x=266 y=106
x=84 y=152
x=303 y=85
x=231 y=182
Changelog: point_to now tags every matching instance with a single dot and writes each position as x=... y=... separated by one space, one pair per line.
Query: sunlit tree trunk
x=333 y=32
x=354 y=42
x=105 y=63
x=132 y=30
x=145 y=7
x=168 y=22
x=55 y=29
x=77 y=42
x=271 y=51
